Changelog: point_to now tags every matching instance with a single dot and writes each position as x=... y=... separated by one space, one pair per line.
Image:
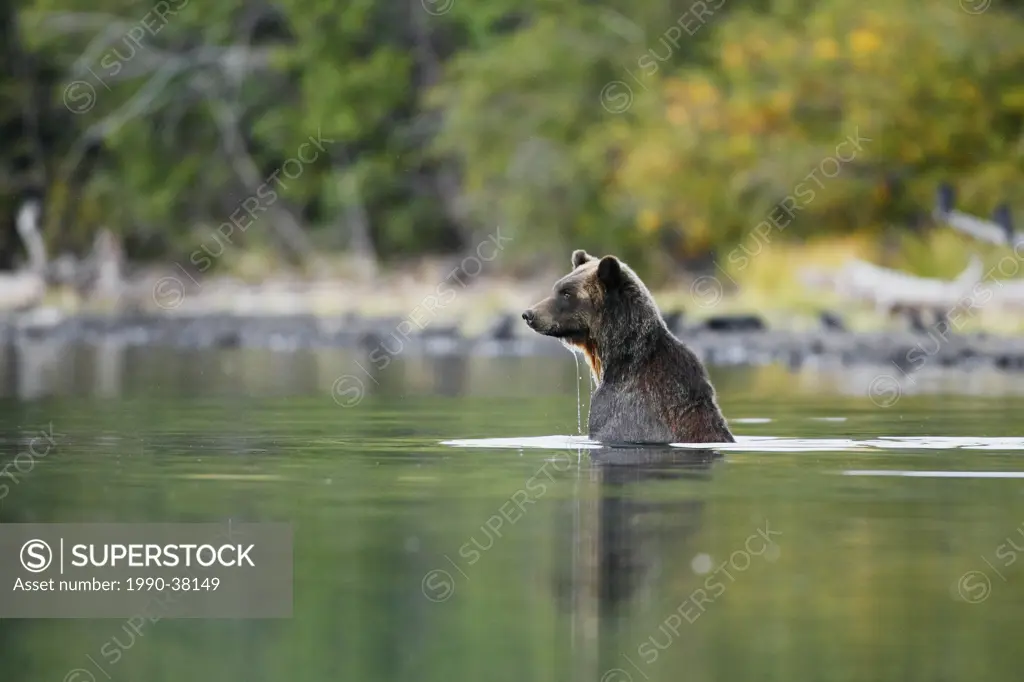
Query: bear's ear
x=609 y=271
x=579 y=257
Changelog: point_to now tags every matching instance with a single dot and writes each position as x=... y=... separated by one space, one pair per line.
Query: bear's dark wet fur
x=651 y=387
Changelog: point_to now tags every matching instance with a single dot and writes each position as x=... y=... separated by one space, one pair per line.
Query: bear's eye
x=567 y=295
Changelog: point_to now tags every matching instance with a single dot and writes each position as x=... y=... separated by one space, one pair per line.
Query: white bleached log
x=26 y=289
x=888 y=289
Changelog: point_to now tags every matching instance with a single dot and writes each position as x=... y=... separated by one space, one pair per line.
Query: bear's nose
x=528 y=316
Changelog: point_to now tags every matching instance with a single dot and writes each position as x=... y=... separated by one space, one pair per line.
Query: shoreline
x=437 y=292
x=423 y=311
x=906 y=351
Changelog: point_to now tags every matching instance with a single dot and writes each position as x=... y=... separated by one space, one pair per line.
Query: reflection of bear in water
x=651 y=387
x=637 y=533
x=623 y=539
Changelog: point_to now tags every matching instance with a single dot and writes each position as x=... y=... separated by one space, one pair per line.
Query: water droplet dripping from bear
x=579 y=397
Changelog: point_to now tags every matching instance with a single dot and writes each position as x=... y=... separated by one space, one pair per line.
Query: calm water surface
x=524 y=559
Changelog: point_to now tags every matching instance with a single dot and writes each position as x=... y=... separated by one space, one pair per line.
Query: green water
x=419 y=561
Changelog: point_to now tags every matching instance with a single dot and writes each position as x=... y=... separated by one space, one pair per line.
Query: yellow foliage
x=741 y=145
x=942 y=253
x=786 y=47
x=674 y=89
x=875 y=20
x=702 y=92
x=650 y=161
x=775 y=267
x=863 y=42
x=911 y=151
x=733 y=56
x=760 y=46
x=757 y=122
x=697 y=231
x=648 y=220
x=1014 y=99
x=781 y=102
x=968 y=91
x=692 y=102
x=677 y=115
x=825 y=49
x=923 y=82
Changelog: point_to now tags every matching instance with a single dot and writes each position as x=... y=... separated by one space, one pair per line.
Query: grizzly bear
x=651 y=388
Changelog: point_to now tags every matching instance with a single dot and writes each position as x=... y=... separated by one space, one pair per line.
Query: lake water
x=839 y=540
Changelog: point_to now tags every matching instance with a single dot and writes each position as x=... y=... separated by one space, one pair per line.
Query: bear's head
x=600 y=309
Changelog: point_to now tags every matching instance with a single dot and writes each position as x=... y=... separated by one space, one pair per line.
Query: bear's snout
x=530 y=317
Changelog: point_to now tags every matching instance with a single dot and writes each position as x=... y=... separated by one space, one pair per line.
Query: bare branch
x=284 y=223
x=236 y=61
x=141 y=103
x=96 y=46
x=78 y=22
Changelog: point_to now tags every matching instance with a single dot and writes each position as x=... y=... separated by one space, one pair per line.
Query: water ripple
x=767 y=443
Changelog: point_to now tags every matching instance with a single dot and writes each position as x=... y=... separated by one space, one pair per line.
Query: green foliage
x=444 y=125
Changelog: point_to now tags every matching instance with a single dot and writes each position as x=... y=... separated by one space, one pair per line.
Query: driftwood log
x=997 y=231
x=97 y=277
x=891 y=290
x=26 y=288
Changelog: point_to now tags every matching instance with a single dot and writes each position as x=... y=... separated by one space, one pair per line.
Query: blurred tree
x=660 y=131
x=931 y=87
